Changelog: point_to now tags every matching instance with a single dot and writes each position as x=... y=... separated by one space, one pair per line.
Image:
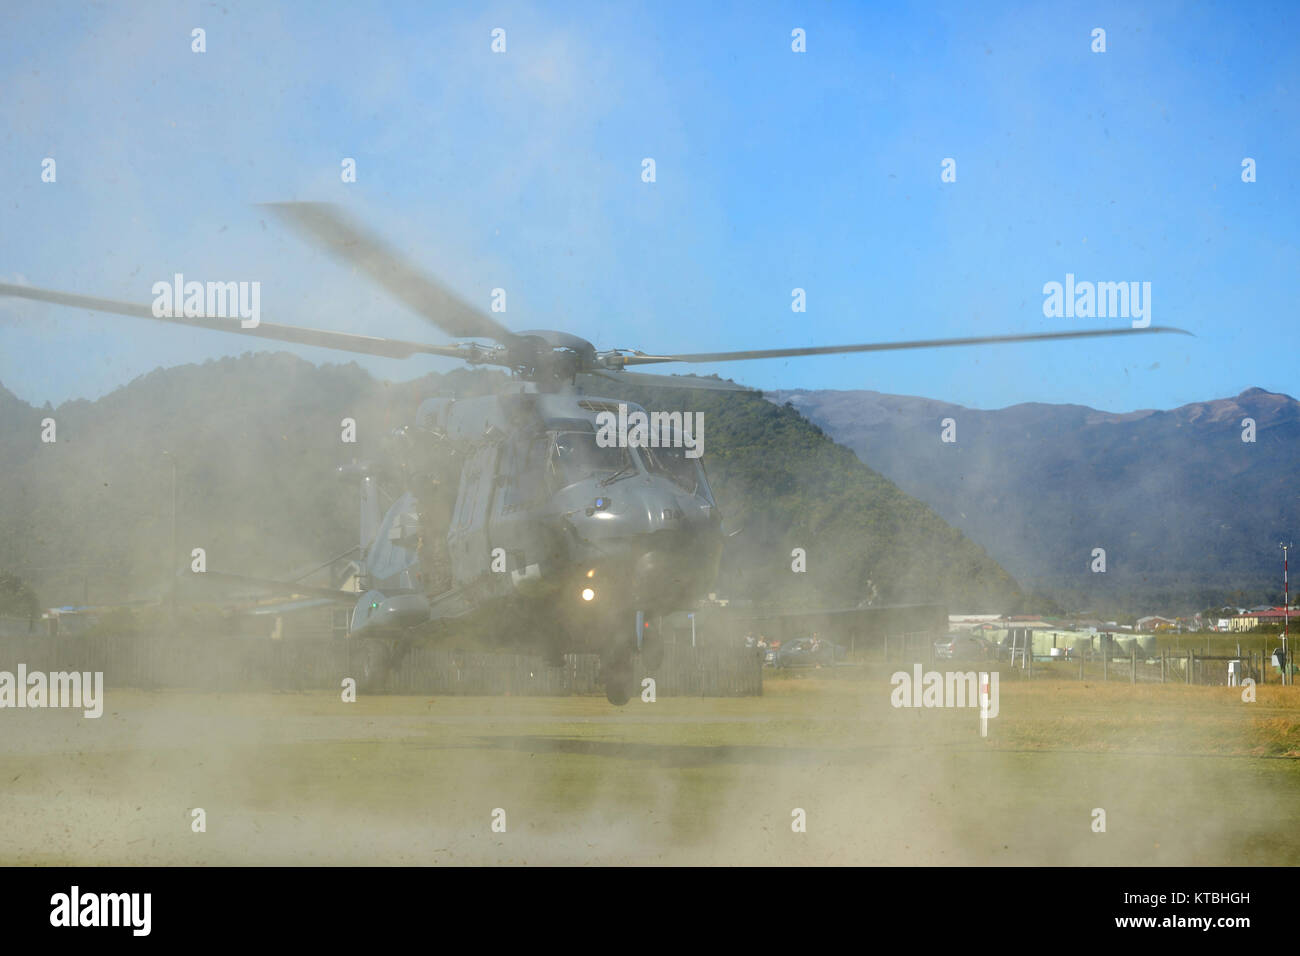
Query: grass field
x=1186 y=775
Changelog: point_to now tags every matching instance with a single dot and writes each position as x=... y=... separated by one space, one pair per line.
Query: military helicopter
x=565 y=537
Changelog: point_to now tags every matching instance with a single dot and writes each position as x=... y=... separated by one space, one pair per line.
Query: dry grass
x=304 y=778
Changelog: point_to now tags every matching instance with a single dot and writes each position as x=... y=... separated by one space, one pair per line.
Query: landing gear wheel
x=376 y=659
x=618 y=686
x=616 y=671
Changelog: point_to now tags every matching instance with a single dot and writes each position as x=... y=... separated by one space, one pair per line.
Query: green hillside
x=783 y=484
x=257 y=440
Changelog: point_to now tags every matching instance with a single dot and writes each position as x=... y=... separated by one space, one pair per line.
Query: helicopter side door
x=469 y=535
x=519 y=525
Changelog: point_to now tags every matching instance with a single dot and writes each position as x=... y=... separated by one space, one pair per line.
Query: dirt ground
x=1184 y=775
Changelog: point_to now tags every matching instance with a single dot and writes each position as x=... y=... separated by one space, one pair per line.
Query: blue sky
x=775 y=170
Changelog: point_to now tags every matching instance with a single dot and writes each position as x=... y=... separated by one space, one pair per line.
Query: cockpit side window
x=575 y=455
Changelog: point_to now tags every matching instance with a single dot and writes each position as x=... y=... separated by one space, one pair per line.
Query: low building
x=862 y=632
x=971 y=622
x=1154 y=622
x=1056 y=641
x=1253 y=618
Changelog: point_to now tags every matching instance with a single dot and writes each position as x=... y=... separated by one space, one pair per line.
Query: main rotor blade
x=342 y=341
x=669 y=381
x=889 y=346
x=325 y=225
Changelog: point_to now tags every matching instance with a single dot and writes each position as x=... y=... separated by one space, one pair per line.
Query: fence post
x=1081 y=655
x=1133 y=674
x=1162 y=666
x=1191 y=664
x=1105 y=663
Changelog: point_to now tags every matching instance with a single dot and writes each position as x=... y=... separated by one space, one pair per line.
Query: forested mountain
x=256 y=441
x=1189 y=514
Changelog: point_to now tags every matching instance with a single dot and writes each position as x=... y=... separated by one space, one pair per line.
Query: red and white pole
x=1286 y=617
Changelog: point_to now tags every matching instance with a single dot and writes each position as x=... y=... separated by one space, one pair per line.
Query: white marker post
x=984 y=704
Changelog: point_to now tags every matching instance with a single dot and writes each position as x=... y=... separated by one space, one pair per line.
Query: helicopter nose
x=668 y=508
x=687 y=545
x=660 y=575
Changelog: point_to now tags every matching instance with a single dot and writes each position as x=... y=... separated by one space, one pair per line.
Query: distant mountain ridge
x=1184 y=508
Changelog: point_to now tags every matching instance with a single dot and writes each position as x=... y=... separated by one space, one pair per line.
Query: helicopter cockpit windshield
x=575 y=455
x=670 y=461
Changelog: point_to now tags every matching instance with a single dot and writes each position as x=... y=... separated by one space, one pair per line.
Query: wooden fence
x=259 y=664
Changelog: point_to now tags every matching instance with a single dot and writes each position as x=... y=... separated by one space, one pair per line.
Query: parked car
x=967 y=647
x=808 y=652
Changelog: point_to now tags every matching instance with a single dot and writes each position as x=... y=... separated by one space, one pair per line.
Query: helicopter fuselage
x=545 y=517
